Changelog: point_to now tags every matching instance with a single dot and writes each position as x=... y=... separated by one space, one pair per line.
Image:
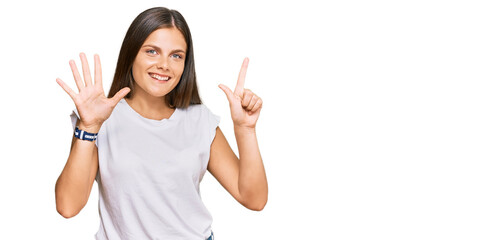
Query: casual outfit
x=149 y=174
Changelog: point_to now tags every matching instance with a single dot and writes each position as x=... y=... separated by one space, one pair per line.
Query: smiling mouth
x=159 y=77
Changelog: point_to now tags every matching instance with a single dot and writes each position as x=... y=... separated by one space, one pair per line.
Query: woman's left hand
x=245 y=105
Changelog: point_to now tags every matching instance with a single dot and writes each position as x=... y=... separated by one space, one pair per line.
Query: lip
x=161 y=75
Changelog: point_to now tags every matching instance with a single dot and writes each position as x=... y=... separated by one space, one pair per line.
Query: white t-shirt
x=149 y=174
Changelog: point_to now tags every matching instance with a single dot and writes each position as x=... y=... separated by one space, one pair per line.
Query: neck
x=149 y=106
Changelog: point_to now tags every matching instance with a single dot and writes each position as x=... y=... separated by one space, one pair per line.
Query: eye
x=177 y=56
x=152 y=51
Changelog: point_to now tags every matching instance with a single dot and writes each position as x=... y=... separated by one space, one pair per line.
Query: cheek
x=136 y=72
x=178 y=67
x=139 y=67
x=136 y=67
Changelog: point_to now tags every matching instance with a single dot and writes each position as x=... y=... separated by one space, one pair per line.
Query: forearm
x=252 y=181
x=75 y=182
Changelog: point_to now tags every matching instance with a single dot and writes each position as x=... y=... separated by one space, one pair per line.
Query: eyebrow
x=159 y=49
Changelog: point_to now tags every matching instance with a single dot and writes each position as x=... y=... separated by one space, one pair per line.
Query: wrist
x=84 y=135
x=244 y=130
x=89 y=128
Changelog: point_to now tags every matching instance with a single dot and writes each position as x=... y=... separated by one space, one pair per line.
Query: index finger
x=241 y=79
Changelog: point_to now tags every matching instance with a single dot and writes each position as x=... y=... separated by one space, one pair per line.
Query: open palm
x=92 y=104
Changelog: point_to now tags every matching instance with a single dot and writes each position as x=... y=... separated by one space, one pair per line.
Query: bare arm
x=244 y=178
x=252 y=178
x=74 y=185
x=76 y=180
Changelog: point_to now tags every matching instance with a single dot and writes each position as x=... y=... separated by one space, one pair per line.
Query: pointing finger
x=241 y=79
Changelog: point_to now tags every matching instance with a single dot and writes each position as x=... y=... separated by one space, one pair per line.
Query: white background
x=381 y=119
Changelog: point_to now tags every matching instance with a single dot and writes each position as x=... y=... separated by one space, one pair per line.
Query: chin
x=159 y=93
x=156 y=90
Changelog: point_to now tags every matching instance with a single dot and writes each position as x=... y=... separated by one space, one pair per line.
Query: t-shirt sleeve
x=74 y=117
x=214 y=120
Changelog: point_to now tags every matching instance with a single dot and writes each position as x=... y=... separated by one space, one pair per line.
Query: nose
x=163 y=63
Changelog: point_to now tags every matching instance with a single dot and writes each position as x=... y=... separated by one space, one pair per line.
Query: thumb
x=228 y=92
x=120 y=95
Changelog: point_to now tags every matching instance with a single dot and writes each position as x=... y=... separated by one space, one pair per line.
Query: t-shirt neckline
x=171 y=118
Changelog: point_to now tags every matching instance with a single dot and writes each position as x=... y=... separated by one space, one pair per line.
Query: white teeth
x=159 y=77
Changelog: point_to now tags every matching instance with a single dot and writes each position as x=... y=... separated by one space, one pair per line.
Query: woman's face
x=159 y=64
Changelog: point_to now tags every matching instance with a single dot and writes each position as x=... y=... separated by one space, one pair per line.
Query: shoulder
x=199 y=112
x=196 y=109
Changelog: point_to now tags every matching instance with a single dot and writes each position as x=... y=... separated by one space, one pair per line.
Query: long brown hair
x=185 y=93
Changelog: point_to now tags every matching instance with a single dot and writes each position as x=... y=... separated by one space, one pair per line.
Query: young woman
x=149 y=143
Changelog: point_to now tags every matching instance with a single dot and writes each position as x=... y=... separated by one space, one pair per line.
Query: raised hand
x=92 y=104
x=245 y=105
